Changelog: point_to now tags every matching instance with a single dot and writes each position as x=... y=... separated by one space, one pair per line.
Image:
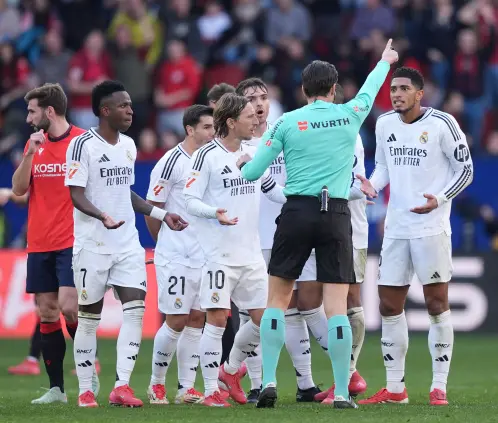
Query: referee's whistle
x=324 y=200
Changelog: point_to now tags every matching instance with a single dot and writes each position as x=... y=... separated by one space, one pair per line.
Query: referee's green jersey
x=318 y=142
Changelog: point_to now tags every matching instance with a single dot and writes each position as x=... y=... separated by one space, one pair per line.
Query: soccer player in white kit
x=423 y=154
x=178 y=259
x=107 y=252
x=235 y=268
x=297 y=340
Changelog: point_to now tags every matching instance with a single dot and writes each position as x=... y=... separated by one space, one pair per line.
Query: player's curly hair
x=49 y=95
x=102 y=91
x=412 y=74
x=318 y=78
x=229 y=106
x=253 y=83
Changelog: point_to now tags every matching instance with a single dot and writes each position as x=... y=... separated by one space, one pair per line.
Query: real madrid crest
x=178 y=303
x=424 y=137
x=84 y=295
x=215 y=297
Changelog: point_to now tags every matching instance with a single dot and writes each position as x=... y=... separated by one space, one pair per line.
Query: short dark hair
x=217 y=91
x=193 y=114
x=229 y=106
x=103 y=90
x=412 y=74
x=49 y=95
x=339 y=94
x=250 y=83
x=318 y=78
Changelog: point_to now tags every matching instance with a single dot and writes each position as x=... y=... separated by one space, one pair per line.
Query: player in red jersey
x=50 y=228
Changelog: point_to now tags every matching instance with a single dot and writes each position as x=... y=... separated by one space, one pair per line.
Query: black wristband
x=242 y=165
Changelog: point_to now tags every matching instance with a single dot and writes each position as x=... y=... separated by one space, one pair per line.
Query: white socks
x=130 y=336
x=210 y=348
x=441 y=341
x=297 y=342
x=245 y=342
x=85 y=346
x=253 y=361
x=357 y=321
x=187 y=356
x=394 y=347
x=318 y=324
x=165 y=343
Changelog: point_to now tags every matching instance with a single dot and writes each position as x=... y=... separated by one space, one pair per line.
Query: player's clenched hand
x=245 y=158
x=110 y=223
x=389 y=54
x=366 y=187
x=430 y=205
x=35 y=141
x=224 y=219
x=175 y=222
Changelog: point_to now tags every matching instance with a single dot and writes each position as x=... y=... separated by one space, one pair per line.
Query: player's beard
x=406 y=110
x=43 y=124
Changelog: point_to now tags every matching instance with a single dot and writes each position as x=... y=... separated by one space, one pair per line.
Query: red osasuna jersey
x=50 y=213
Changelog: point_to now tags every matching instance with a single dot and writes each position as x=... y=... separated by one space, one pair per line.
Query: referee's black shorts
x=301 y=227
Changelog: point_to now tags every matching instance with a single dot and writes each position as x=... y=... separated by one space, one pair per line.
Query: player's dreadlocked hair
x=49 y=95
x=318 y=78
x=229 y=106
x=253 y=83
x=218 y=91
x=102 y=91
x=193 y=114
x=412 y=74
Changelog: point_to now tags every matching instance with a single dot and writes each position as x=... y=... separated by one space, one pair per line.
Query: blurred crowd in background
x=168 y=53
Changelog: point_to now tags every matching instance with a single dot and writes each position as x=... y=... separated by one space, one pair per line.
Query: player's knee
x=196 y=319
x=306 y=303
x=177 y=322
x=354 y=297
x=436 y=304
x=49 y=309
x=70 y=312
x=390 y=307
x=217 y=317
x=134 y=311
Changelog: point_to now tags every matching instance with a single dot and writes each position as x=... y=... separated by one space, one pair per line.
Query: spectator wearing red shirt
x=178 y=84
x=50 y=227
x=88 y=67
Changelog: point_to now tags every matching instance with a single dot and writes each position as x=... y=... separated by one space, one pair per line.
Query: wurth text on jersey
x=117 y=175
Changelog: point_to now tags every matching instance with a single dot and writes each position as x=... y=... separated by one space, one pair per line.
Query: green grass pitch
x=473 y=389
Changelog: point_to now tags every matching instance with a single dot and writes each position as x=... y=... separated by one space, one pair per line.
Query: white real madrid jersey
x=167 y=181
x=107 y=173
x=359 y=220
x=428 y=156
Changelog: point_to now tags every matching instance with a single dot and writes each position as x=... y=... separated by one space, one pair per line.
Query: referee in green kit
x=318 y=142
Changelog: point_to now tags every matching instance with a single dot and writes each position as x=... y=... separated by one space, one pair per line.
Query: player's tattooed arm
x=84 y=205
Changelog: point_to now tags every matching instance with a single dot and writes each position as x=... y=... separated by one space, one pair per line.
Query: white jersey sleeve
x=197 y=183
x=380 y=175
x=77 y=161
x=357 y=206
x=163 y=177
x=271 y=189
x=455 y=147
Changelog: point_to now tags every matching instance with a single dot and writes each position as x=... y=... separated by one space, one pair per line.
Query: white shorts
x=246 y=286
x=359 y=261
x=178 y=288
x=429 y=258
x=95 y=273
x=267 y=256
